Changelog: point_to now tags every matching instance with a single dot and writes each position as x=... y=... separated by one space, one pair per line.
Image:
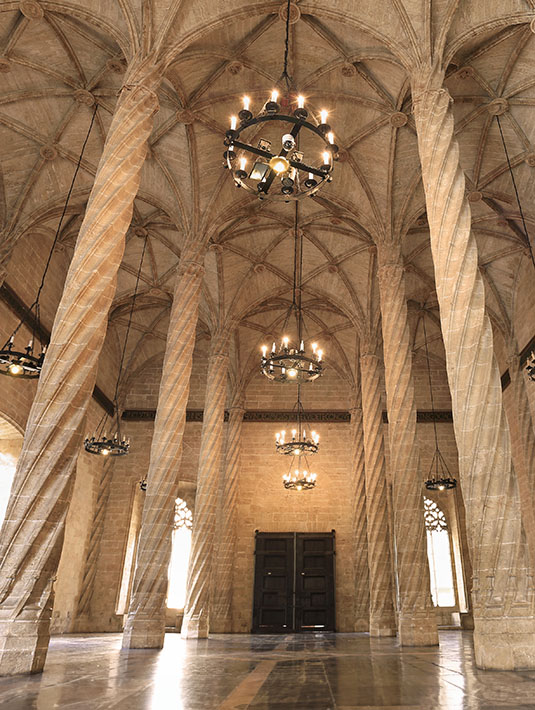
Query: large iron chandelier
x=117 y=444
x=294 y=158
x=440 y=478
x=27 y=362
x=300 y=443
x=530 y=360
x=290 y=361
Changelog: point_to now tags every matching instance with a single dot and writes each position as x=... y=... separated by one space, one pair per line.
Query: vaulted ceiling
x=58 y=60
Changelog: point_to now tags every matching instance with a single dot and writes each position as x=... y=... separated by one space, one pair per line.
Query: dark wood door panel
x=294 y=582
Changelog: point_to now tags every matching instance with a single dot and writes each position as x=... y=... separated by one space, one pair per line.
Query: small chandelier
x=25 y=363
x=289 y=362
x=281 y=171
x=117 y=445
x=299 y=480
x=440 y=478
x=300 y=443
x=530 y=366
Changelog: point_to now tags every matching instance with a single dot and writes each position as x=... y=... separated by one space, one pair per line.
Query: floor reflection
x=240 y=672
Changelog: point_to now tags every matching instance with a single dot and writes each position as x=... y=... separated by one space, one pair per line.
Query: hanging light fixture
x=440 y=478
x=277 y=169
x=530 y=361
x=290 y=362
x=117 y=445
x=300 y=443
x=299 y=480
x=25 y=362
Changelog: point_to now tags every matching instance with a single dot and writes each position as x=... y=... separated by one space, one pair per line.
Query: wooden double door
x=294 y=582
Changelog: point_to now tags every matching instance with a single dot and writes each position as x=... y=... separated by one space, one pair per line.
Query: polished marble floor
x=305 y=672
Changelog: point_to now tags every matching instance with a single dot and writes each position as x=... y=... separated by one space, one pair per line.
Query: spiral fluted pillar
x=502 y=591
x=358 y=516
x=83 y=610
x=34 y=521
x=221 y=616
x=522 y=448
x=196 y=623
x=145 y=623
x=382 y=618
x=416 y=617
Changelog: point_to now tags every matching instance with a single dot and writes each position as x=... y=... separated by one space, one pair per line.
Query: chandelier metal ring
x=298 y=179
x=23 y=365
x=107 y=446
x=291 y=366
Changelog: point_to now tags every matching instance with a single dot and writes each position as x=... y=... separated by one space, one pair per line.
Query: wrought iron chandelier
x=299 y=480
x=294 y=158
x=117 y=444
x=300 y=443
x=440 y=478
x=290 y=362
x=25 y=362
x=530 y=360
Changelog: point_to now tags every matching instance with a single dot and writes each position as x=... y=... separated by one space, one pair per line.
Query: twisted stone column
x=502 y=595
x=196 y=623
x=523 y=448
x=382 y=618
x=83 y=611
x=359 y=523
x=145 y=623
x=416 y=617
x=221 y=617
x=33 y=527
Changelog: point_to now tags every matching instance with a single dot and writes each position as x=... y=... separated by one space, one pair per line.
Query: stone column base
x=143 y=633
x=195 y=627
x=362 y=625
x=382 y=626
x=23 y=646
x=418 y=629
x=505 y=644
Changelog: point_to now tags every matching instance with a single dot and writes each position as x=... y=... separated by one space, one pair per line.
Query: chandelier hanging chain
x=116 y=445
x=35 y=304
x=129 y=322
x=285 y=74
x=442 y=479
x=526 y=233
x=26 y=364
x=430 y=382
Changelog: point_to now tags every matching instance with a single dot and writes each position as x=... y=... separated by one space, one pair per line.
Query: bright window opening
x=181 y=545
x=439 y=555
x=8 y=464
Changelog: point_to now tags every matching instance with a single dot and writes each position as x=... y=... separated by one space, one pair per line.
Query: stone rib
x=222 y=606
x=196 y=623
x=53 y=435
x=416 y=621
x=358 y=513
x=488 y=481
x=145 y=624
x=382 y=620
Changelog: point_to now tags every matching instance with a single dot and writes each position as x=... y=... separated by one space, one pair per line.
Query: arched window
x=8 y=464
x=181 y=545
x=439 y=555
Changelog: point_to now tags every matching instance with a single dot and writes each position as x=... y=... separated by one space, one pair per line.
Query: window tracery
x=435 y=520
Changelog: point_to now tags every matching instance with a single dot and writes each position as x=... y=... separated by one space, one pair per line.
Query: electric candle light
x=274 y=95
x=246 y=103
x=233 y=123
x=243 y=163
x=320 y=354
x=326 y=158
x=264 y=350
x=330 y=137
x=323 y=116
x=300 y=102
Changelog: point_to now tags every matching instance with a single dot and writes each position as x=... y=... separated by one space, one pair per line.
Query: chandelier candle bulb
x=274 y=95
x=300 y=102
x=330 y=137
x=320 y=355
x=302 y=347
x=246 y=103
x=233 y=123
x=314 y=347
x=264 y=351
